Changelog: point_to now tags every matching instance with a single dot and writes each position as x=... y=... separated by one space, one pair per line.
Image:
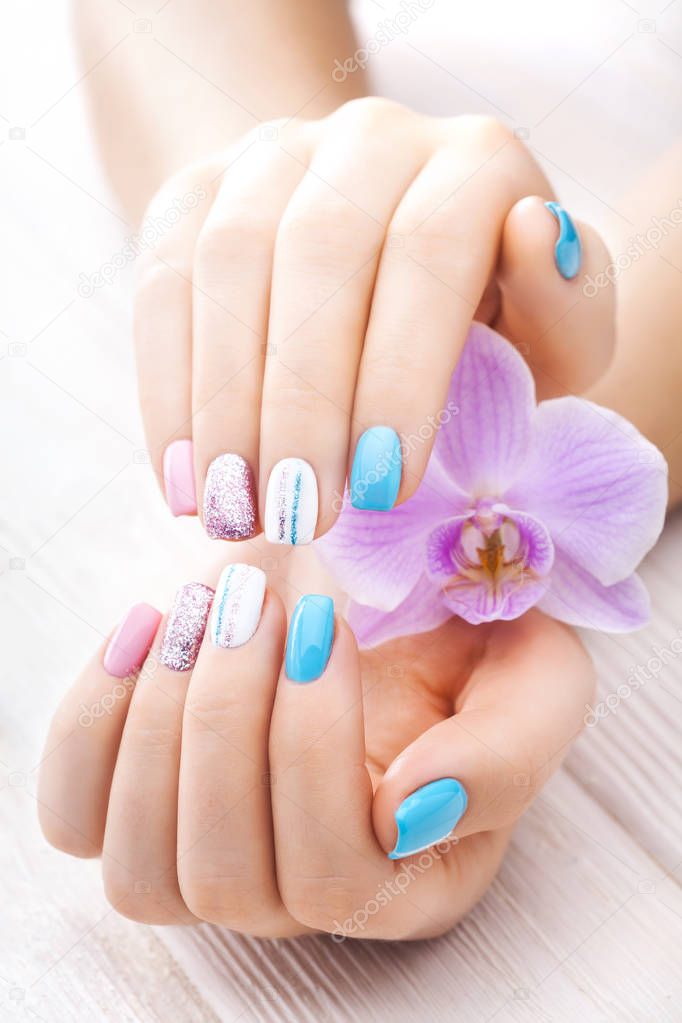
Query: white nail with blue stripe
x=237 y=605
x=291 y=503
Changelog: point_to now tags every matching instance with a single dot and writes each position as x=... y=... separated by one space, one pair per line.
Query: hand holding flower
x=551 y=506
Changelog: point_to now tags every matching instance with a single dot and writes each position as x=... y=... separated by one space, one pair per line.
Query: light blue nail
x=568 y=250
x=311 y=633
x=377 y=469
x=428 y=816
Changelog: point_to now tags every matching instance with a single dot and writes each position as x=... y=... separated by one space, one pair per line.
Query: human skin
x=365 y=738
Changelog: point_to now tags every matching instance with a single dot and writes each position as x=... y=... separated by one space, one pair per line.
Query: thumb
x=480 y=769
x=557 y=302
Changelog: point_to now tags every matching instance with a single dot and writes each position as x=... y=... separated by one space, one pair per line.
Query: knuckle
x=309 y=223
x=219 y=714
x=234 y=902
x=239 y=238
x=487 y=132
x=67 y=840
x=142 y=901
x=158 y=275
x=153 y=741
x=367 y=112
x=300 y=407
x=321 y=903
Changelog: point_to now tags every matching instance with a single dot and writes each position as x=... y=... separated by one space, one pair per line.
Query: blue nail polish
x=568 y=250
x=428 y=816
x=377 y=469
x=311 y=633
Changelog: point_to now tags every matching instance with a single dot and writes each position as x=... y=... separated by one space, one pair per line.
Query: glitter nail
x=230 y=499
x=185 y=626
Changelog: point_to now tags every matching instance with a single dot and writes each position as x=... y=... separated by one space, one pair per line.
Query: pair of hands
x=325 y=285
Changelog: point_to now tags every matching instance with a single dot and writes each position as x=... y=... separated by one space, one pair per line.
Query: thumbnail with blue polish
x=428 y=815
x=377 y=470
x=568 y=250
x=311 y=634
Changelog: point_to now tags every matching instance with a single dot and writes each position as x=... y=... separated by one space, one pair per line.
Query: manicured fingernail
x=568 y=250
x=185 y=626
x=230 y=499
x=310 y=638
x=132 y=641
x=428 y=816
x=237 y=605
x=377 y=469
x=178 y=477
x=291 y=503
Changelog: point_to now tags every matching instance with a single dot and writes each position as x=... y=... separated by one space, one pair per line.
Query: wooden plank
x=630 y=758
x=581 y=923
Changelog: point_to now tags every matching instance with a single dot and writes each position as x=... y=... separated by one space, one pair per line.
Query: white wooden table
x=585 y=919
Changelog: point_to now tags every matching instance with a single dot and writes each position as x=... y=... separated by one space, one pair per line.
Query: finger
x=332 y=872
x=326 y=255
x=443 y=244
x=564 y=326
x=80 y=752
x=140 y=840
x=480 y=769
x=327 y=854
x=163 y=329
x=226 y=862
x=232 y=272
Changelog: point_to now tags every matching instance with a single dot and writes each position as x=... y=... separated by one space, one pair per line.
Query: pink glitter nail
x=185 y=626
x=230 y=499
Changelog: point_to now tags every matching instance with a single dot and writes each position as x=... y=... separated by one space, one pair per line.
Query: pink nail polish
x=185 y=626
x=178 y=476
x=132 y=641
x=230 y=499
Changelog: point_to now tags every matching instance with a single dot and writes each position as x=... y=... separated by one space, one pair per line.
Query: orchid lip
x=489 y=550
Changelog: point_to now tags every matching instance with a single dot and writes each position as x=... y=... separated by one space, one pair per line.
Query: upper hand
x=321 y=281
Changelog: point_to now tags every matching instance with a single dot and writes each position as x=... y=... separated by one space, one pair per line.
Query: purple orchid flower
x=522 y=505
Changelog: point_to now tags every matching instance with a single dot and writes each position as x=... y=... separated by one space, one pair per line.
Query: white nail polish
x=291 y=503
x=237 y=605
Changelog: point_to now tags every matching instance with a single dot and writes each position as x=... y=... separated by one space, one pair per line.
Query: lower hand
x=230 y=793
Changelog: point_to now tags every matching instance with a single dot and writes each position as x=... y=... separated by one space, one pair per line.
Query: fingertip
x=410 y=817
x=551 y=307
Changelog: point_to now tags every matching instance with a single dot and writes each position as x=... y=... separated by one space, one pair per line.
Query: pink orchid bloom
x=522 y=505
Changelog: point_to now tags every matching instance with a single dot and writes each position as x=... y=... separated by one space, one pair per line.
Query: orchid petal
x=377 y=557
x=422 y=611
x=574 y=596
x=492 y=398
x=596 y=483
